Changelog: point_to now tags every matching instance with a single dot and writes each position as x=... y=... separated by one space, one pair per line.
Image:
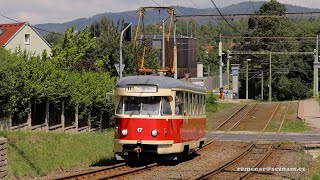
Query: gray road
x=292 y=137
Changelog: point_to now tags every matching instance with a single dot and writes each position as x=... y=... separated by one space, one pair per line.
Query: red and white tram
x=158 y=117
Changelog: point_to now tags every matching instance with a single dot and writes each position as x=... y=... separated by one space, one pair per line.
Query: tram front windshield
x=142 y=105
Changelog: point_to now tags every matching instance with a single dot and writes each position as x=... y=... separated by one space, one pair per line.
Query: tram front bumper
x=162 y=146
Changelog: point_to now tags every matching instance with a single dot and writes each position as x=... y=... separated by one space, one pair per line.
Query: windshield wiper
x=132 y=113
x=149 y=114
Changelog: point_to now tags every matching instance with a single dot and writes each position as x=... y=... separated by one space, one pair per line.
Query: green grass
x=294 y=126
x=37 y=153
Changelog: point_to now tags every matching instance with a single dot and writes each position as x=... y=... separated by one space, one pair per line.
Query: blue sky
x=45 y=11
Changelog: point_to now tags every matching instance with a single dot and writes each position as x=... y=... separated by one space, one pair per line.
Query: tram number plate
x=142 y=89
x=139 y=129
x=130 y=89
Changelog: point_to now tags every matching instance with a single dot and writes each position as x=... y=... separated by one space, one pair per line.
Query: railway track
x=252 y=157
x=257 y=120
x=120 y=170
x=254 y=117
x=236 y=118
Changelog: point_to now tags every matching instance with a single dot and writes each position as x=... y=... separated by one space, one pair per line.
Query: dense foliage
x=292 y=75
x=81 y=70
x=24 y=79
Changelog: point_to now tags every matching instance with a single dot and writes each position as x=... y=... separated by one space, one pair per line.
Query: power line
x=235 y=29
x=8 y=18
x=97 y=5
x=254 y=9
x=247 y=15
x=198 y=6
x=268 y=37
x=156 y=3
x=33 y=26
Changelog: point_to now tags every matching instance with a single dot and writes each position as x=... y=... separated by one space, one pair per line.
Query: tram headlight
x=154 y=133
x=124 y=132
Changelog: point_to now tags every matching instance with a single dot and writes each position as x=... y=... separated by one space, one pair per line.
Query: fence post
x=76 y=118
x=62 y=115
x=29 y=121
x=47 y=114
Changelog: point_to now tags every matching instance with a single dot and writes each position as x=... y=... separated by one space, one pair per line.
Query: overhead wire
x=234 y=28
x=40 y=29
x=254 y=9
x=198 y=7
x=97 y=5
x=156 y=3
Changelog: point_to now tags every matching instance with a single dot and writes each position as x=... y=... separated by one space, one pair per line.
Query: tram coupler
x=138 y=150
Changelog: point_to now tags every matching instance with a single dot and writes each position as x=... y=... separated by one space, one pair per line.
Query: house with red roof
x=23 y=36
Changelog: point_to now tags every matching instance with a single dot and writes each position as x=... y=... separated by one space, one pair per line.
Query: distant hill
x=132 y=16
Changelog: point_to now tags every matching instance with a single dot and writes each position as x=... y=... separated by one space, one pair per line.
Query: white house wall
x=36 y=46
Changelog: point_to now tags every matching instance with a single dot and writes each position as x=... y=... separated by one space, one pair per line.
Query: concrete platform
x=309 y=110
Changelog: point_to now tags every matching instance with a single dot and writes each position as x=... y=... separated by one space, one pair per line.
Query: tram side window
x=204 y=104
x=132 y=106
x=193 y=104
x=200 y=105
x=185 y=103
x=189 y=104
x=120 y=107
x=166 y=108
x=179 y=105
x=196 y=104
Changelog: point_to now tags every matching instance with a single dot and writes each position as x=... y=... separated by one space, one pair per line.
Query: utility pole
x=121 y=37
x=228 y=68
x=262 y=85
x=163 y=47
x=247 y=79
x=270 y=79
x=316 y=69
x=220 y=63
x=175 y=55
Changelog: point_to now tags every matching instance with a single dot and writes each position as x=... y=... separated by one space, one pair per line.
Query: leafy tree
x=54 y=38
x=73 y=49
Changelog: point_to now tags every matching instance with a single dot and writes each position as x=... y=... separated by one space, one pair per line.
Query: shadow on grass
x=24 y=156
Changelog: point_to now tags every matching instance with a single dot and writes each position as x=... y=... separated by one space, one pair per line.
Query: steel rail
x=242 y=118
x=259 y=163
x=91 y=172
x=140 y=168
x=274 y=112
x=88 y=172
x=127 y=172
x=226 y=164
x=283 y=118
x=230 y=117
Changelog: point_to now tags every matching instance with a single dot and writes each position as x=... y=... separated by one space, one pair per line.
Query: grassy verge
x=38 y=153
x=294 y=126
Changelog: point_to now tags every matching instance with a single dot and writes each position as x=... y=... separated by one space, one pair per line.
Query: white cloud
x=45 y=11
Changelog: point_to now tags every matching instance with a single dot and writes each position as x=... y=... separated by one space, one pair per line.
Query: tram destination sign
x=141 y=89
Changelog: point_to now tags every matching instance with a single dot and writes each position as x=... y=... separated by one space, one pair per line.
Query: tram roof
x=161 y=82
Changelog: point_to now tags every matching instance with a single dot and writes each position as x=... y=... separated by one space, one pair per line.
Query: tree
x=73 y=49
